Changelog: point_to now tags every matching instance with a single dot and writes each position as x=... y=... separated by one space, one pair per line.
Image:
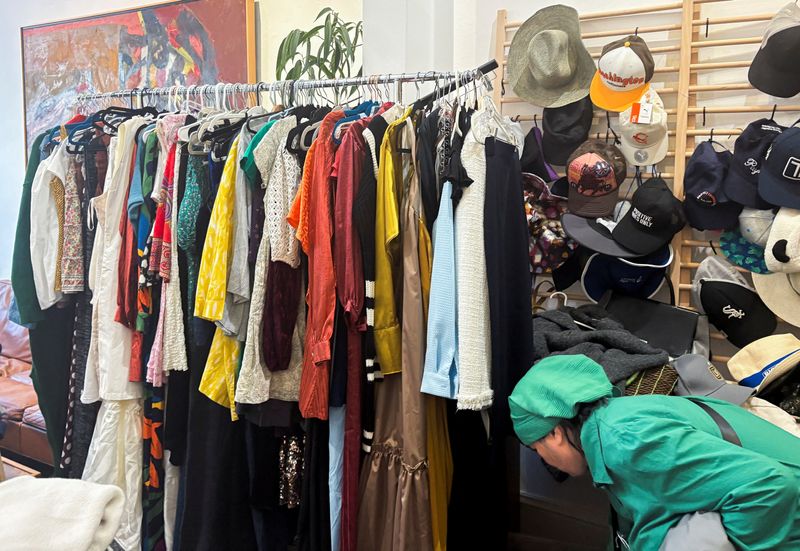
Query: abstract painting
x=175 y=43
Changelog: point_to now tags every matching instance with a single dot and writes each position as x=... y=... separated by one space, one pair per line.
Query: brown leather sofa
x=25 y=431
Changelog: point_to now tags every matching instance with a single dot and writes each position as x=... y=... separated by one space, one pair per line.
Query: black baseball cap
x=737 y=311
x=741 y=183
x=774 y=68
x=595 y=235
x=565 y=128
x=655 y=216
x=706 y=205
x=779 y=181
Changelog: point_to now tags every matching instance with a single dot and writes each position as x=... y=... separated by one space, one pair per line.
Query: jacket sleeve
x=668 y=471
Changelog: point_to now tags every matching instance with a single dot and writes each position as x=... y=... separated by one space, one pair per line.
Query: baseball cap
x=595 y=171
x=644 y=144
x=741 y=182
x=765 y=361
x=565 y=128
x=699 y=377
x=640 y=277
x=737 y=311
x=655 y=216
x=706 y=205
x=779 y=180
x=774 y=68
x=755 y=225
x=595 y=235
x=624 y=71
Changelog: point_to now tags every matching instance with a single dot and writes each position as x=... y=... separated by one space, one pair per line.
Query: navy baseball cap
x=779 y=181
x=741 y=184
x=640 y=277
x=706 y=205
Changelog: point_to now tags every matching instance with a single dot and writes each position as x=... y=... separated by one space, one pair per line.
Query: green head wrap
x=550 y=392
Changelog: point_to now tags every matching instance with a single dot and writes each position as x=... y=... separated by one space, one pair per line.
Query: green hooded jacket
x=661 y=457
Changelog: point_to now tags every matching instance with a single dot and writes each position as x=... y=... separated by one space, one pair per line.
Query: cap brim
x=588 y=233
x=687 y=364
x=738 y=188
x=647 y=156
x=628 y=234
x=596 y=280
x=772 y=80
x=592 y=206
x=742 y=252
x=612 y=100
x=722 y=216
x=778 y=294
x=777 y=192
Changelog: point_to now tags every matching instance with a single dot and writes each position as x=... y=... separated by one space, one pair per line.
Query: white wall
x=274 y=19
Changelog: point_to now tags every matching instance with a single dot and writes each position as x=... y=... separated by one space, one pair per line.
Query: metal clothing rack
x=453 y=80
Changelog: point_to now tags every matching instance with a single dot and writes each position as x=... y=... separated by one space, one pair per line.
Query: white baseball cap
x=645 y=144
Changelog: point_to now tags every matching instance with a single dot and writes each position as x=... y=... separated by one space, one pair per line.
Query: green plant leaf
x=323 y=12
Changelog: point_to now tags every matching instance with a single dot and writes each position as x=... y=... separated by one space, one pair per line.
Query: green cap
x=551 y=390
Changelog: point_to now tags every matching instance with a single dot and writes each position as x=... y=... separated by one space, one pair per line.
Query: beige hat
x=548 y=64
x=781 y=293
x=762 y=362
x=645 y=144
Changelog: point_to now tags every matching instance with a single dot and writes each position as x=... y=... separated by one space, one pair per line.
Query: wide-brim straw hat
x=548 y=64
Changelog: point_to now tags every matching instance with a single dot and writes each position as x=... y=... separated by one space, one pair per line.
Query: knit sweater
x=619 y=351
x=474 y=331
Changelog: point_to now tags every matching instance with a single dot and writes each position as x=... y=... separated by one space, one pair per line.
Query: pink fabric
x=155 y=371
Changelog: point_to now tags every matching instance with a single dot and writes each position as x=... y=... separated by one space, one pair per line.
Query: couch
x=24 y=428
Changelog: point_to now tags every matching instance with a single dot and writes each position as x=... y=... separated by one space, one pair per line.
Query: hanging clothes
x=391 y=504
x=316 y=242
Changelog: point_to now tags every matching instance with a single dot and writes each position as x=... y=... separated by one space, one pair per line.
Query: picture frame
x=173 y=42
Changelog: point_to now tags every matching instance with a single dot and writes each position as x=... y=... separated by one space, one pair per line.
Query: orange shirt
x=315 y=231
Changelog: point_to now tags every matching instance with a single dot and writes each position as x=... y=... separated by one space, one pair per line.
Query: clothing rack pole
x=463 y=77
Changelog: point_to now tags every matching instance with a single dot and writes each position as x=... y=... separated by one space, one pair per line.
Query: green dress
x=660 y=457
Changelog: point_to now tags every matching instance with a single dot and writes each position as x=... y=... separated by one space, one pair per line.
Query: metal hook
x=636 y=31
x=707 y=22
x=704 y=116
x=774 y=108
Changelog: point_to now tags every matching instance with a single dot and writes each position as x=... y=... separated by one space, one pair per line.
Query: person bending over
x=663 y=460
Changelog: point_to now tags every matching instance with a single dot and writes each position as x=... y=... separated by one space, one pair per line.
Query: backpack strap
x=728 y=434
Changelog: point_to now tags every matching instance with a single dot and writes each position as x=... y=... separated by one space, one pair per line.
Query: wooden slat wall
x=702 y=54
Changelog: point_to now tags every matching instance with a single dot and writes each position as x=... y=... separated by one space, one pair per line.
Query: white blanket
x=69 y=515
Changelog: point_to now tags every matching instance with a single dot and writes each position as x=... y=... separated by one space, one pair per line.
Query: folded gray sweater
x=619 y=351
